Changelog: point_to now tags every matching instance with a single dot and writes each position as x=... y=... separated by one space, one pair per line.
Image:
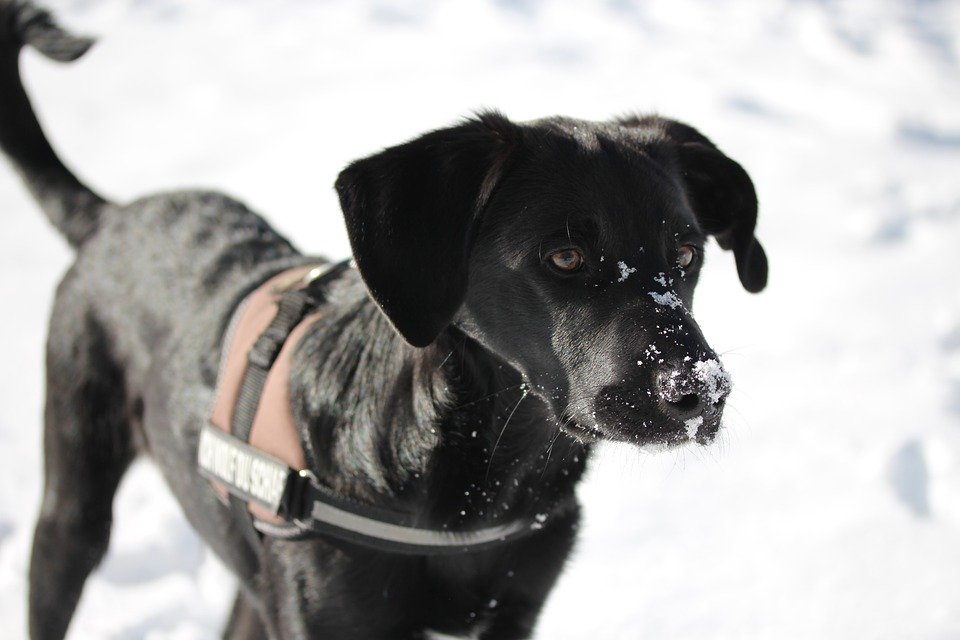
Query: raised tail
x=70 y=205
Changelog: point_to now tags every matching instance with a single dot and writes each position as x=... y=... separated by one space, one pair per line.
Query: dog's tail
x=70 y=205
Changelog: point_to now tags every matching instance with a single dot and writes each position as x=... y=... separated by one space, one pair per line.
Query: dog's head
x=570 y=249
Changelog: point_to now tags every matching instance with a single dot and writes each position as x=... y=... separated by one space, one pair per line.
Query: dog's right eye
x=686 y=256
x=566 y=260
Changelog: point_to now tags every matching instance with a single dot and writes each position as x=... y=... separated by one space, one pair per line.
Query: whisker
x=549 y=452
x=734 y=350
x=495 y=444
x=440 y=366
x=487 y=397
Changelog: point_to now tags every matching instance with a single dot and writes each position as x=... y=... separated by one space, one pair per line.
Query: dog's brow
x=658 y=169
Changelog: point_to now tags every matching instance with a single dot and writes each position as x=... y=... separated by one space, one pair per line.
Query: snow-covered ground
x=830 y=508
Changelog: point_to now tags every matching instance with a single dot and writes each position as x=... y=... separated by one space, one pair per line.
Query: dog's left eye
x=566 y=260
x=686 y=256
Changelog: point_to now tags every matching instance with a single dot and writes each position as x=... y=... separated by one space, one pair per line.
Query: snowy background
x=830 y=508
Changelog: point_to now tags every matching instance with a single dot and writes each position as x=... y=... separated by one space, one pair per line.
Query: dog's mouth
x=704 y=430
x=646 y=431
x=580 y=432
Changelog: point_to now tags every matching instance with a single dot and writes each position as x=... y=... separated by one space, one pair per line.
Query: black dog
x=521 y=290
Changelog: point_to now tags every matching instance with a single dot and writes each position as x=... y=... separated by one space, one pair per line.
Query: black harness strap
x=293 y=307
x=323 y=512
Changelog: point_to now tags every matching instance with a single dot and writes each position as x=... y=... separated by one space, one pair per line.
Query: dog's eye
x=567 y=260
x=686 y=256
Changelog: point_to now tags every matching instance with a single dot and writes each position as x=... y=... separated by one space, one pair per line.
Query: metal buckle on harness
x=299 y=282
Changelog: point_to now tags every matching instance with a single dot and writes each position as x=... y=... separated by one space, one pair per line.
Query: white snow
x=715 y=378
x=651 y=353
x=625 y=271
x=692 y=425
x=829 y=507
x=539 y=520
x=668 y=299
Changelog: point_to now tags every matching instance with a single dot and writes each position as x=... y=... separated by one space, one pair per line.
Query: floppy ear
x=725 y=202
x=720 y=191
x=412 y=212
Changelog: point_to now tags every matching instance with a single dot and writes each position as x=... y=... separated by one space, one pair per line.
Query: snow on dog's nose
x=693 y=393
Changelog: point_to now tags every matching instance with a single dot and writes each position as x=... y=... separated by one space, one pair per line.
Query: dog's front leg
x=312 y=589
x=537 y=564
x=244 y=622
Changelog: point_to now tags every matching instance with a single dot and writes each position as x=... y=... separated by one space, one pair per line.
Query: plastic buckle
x=294 y=507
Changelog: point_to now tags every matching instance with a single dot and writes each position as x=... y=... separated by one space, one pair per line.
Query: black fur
x=483 y=403
x=70 y=205
x=391 y=218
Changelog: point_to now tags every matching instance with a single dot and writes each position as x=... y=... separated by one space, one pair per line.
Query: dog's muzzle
x=694 y=394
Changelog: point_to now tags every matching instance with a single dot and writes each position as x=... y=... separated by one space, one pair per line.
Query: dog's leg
x=534 y=573
x=87 y=446
x=515 y=621
x=244 y=622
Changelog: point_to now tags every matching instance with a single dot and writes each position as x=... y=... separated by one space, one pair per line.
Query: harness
x=252 y=452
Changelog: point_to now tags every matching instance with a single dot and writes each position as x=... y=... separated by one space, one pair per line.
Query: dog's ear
x=721 y=193
x=725 y=202
x=412 y=212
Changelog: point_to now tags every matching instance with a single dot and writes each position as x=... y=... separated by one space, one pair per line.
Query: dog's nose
x=695 y=391
x=678 y=393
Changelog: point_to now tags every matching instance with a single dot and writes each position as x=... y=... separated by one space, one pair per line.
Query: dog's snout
x=691 y=391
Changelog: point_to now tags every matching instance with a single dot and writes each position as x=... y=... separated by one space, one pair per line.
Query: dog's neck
x=449 y=430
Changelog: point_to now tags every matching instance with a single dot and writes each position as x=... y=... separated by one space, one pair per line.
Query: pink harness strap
x=274 y=430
